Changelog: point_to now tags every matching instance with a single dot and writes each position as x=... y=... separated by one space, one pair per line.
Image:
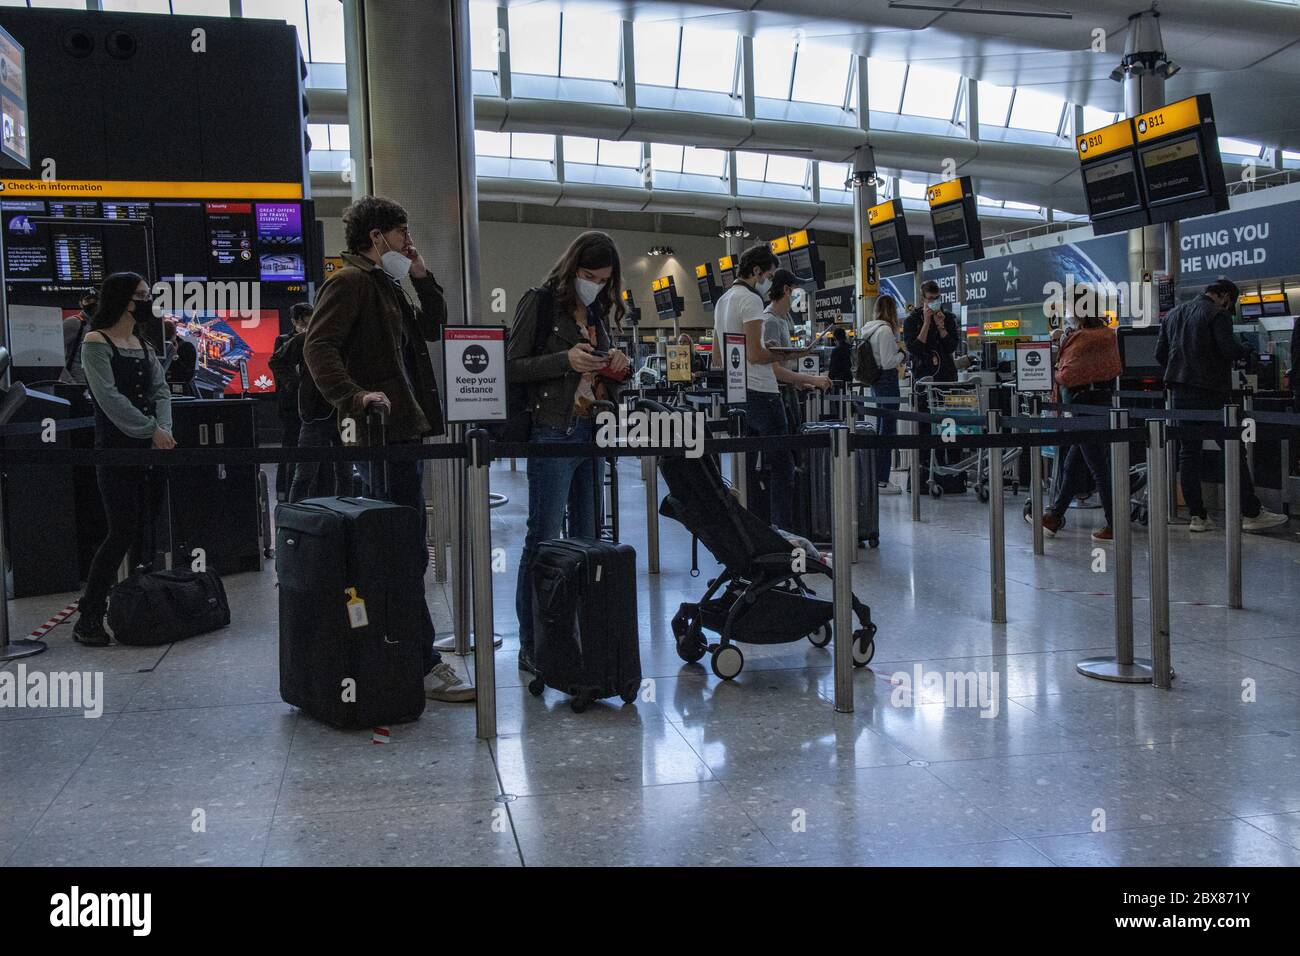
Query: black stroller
x=758 y=598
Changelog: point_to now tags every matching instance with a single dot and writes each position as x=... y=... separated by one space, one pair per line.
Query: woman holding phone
x=133 y=409
x=567 y=368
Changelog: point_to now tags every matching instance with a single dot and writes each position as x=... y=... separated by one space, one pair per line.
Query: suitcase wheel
x=874 y=541
x=630 y=691
x=579 y=703
x=820 y=638
x=727 y=661
x=864 y=645
x=936 y=490
x=536 y=686
x=981 y=491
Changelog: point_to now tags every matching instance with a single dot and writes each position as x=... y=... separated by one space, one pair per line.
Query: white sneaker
x=444 y=684
x=888 y=488
x=1263 y=521
x=1199 y=525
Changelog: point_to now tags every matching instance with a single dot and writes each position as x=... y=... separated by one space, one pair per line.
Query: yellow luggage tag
x=356 y=609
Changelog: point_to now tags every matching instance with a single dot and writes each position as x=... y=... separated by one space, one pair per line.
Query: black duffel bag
x=165 y=606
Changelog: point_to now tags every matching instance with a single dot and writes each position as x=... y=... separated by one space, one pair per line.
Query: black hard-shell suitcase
x=816 y=475
x=351 y=610
x=584 y=619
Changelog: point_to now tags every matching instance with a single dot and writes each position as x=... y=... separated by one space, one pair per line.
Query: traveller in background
x=1086 y=368
x=365 y=346
x=743 y=301
x=699 y=364
x=1197 y=350
x=132 y=410
x=841 y=364
x=574 y=368
x=75 y=328
x=286 y=360
x=184 y=361
x=765 y=413
x=931 y=335
x=880 y=334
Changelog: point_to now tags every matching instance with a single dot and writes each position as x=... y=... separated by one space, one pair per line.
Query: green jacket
x=354 y=346
x=551 y=381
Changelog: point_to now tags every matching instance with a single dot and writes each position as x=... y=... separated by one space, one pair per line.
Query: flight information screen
x=1174 y=171
x=1112 y=187
x=950 y=227
x=884 y=241
x=79 y=256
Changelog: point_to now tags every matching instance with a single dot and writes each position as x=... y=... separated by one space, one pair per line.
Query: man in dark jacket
x=365 y=346
x=285 y=362
x=841 y=364
x=1197 y=350
x=930 y=335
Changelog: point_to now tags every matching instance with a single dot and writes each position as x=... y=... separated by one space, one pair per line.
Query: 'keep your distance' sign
x=1033 y=367
x=474 y=361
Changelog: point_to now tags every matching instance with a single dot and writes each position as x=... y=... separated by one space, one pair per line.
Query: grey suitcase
x=815 y=471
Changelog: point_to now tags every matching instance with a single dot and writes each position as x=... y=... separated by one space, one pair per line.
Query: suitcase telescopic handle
x=377 y=427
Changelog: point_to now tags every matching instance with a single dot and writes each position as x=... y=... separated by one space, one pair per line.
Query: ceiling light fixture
x=935 y=8
x=661 y=250
x=732 y=226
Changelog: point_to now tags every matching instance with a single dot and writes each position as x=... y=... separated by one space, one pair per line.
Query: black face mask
x=143 y=309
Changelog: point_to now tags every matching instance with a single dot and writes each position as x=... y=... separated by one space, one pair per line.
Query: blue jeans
x=886 y=387
x=554 y=485
x=765 y=416
x=406 y=487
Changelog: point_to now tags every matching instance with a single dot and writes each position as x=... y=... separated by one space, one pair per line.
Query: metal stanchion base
x=23 y=648
x=1108 y=668
x=448 y=643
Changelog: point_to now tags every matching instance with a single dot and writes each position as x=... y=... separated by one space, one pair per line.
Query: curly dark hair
x=366 y=215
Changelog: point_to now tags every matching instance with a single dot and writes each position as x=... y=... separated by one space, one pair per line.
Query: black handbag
x=165 y=606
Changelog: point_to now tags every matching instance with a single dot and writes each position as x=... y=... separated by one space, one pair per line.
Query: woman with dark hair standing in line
x=566 y=368
x=132 y=410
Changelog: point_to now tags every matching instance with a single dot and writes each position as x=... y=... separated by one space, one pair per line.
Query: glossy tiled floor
x=1052 y=769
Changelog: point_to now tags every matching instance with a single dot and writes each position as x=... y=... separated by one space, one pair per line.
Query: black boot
x=89 y=630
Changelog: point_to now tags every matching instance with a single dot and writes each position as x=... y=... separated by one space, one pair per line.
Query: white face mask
x=394 y=263
x=763 y=286
x=587 y=289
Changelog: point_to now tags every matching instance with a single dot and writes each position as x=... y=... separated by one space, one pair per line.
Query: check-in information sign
x=737 y=368
x=474 y=361
x=1033 y=367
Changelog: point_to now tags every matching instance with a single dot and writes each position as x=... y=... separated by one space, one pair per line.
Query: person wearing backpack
x=560 y=352
x=879 y=359
x=286 y=360
x=840 y=370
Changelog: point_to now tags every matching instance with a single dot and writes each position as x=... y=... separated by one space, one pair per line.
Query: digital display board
x=956 y=225
x=184 y=249
x=726 y=272
x=15 y=135
x=76 y=209
x=1112 y=187
x=1179 y=161
x=27 y=244
x=805 y=262
x=280 y=243
x=230 y=227
x=665 y=296
x=709 y=290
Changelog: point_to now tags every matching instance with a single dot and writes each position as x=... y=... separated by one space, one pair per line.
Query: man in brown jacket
x=365 y=346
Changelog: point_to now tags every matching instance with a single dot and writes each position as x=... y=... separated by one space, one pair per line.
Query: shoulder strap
x=545 y=306
x=76 y=345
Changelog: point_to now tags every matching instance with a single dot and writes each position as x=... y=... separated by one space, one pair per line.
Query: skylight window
x=1036 y=111
x=589 y=46
x=535 y=30
x=821 y=74
x=994 y=104
x=930 y=92
x=885 y=85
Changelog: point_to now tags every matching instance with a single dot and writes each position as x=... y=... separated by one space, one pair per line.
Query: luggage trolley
x=966 y=398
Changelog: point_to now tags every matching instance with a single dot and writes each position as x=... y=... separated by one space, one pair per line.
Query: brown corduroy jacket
x=354 y=346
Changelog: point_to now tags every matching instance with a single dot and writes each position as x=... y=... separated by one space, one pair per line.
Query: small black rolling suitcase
x=584 y=619
x=818 y=479
x=351 y=610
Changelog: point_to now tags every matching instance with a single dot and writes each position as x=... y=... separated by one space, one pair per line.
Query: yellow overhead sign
x=1105 y=140
x=798 y=240
x=139 y=189
x=726 y=263
x=663 y=282
x=780 y=244
x=702 y=271
x=942 y=193
x=1184 y=114
x=884 y=212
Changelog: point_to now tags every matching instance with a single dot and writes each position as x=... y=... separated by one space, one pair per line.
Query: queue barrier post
x=997 y=528
x=11 y=650
x=914 y=460
x=1122 y=667
x=478 y=501
x=1035 y=481
x=850 y=422
x=842 y=543
x=1158 y=533
x=458 y=642
x=650 y=472
x=1232 y=504
x=1171 y=469
x=739 y=466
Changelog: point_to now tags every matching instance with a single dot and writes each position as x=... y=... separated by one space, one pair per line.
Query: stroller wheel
x=820 y=638
x=536 y=686
x=936 y=490
x=728 y=661
x=691 y=645
x=864 y=646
